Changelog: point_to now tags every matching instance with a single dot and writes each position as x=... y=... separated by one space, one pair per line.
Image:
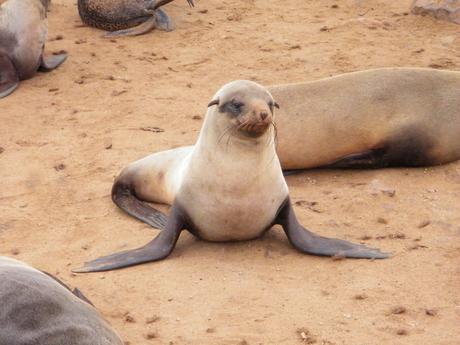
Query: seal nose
x=263 y=115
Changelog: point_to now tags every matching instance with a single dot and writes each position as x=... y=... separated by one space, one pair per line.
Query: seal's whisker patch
x=223 y=133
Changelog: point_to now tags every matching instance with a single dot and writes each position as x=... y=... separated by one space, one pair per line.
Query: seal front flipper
x=310 y=243
x=157 y=249
x=48 y=63
x=141 y=29
x=9 y=79
x=163 y=21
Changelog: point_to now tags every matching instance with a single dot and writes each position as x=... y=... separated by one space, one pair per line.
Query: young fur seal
x=23 y=30
x=229 y=187
x=126 y=17
x=37 y=308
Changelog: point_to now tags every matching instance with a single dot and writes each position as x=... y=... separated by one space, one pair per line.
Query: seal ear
x=213 y=102
x=277 y=106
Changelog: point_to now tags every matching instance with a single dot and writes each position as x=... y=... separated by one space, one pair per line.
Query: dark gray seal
x=126 y=17
x=23 y=30
x=229 y=187
x=38 y=309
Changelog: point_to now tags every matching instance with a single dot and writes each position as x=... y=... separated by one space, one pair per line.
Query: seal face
x=23 y=30
x=126 y=17
x=229 y=187
x=37 y=308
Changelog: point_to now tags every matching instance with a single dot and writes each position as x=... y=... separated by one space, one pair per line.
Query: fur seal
x=370 y=119
x=23 y=30
x=126 y=17
x=37 y=308
x=229 y=187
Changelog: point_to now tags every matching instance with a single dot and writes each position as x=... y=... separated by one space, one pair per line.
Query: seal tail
x=123 y=195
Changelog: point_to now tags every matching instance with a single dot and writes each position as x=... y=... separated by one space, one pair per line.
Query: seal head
x=247 y=105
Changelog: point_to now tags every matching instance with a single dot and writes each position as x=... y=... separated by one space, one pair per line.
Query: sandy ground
x=66 y=134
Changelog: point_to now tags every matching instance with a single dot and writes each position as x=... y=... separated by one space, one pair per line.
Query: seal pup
x=37 y=308
x=229 y=187
x=370 y=119
x=126 y=17
x=23 y=30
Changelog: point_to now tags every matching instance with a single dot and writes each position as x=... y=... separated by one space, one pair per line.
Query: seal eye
x=233 y=107
x=237 y=105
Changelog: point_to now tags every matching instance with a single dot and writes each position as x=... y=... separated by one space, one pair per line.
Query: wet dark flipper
x=366 y=159
x=48 y=63
x=143 y=28
x=310 y=243
x=159 y=248
x=124 y=197
x=289 y=172
x=9 y=79
x=163 y=21
x=154 y=4
x=76 y=291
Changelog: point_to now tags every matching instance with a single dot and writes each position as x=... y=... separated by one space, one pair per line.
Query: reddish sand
x=66 y=135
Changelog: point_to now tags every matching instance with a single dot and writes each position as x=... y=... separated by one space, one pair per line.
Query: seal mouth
x=253 y=129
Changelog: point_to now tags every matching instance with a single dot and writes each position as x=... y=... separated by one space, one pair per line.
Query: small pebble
x=431 y=312
x=382 y=220
x=129 y=318
x=402 y=332
x=59 y=167
x=398 y=310
x=423 y=224
x=360 y=296
x=152 y=319
x=151 y=335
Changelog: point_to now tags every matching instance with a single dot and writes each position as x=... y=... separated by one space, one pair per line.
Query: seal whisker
x=223 y=133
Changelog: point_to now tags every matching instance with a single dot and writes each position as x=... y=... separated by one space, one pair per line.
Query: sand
x=66 y=134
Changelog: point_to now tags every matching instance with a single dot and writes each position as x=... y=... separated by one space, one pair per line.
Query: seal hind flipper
x=76 y=291
x=9 y=79
x=48 y=63
x=310 y=243
x=140 y=29
x=123 y=196
x=408 y=147
x=159 y=248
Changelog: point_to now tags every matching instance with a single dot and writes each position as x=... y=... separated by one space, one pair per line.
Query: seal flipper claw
x=9 y=79
x=48 y=63
x=143 y=28
x=159 y=248
x=310 y=243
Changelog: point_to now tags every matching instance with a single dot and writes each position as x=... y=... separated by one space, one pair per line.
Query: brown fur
x=400 y=116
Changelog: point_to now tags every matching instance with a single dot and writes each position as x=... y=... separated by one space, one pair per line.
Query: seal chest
x=232 y=199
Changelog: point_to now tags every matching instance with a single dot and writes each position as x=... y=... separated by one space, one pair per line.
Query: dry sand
x=66 y=135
